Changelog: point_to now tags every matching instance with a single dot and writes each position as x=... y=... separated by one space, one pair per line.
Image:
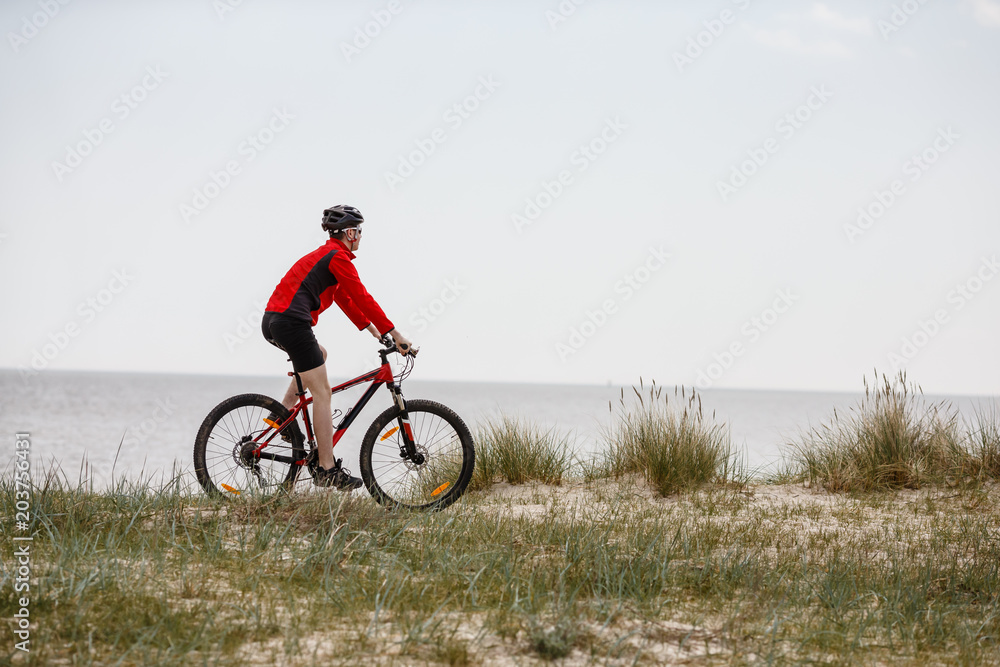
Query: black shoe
x=337 y=477
x=288 y=434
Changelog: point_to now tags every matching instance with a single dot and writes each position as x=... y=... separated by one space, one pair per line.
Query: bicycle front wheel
x=444 y=467
x=225 y=461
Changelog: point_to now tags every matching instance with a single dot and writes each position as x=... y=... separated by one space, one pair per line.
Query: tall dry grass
x=517 y=451
x=166 y=576
x=669 y=443
x=895 y=439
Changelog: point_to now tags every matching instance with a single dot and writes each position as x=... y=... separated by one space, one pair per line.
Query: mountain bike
x=417 y=454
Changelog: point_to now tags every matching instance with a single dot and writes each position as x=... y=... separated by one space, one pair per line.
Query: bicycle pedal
x=290 y=431
x=312 y=462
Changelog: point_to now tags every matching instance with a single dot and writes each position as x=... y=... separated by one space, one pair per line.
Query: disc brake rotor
x=421 y=457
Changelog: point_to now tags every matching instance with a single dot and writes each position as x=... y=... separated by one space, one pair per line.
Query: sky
x=727 y=194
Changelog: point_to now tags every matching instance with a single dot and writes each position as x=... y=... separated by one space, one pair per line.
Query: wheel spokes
x=235 y=470
x=412 y=484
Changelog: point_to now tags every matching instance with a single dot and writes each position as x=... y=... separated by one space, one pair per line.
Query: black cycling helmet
x=339 y=218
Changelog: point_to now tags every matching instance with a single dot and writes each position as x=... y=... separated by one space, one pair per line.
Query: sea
x=101 y=428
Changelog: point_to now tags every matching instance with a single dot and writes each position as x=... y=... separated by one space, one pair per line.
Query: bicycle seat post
x=298 y=382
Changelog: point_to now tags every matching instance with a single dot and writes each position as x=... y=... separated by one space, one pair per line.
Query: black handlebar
x=390 y=347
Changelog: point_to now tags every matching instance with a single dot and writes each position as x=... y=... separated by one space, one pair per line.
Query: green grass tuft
x=984 y=444
x=600 y=574
x=556 y=642
x=670 y=444
x=894 y=439
x=516 y=451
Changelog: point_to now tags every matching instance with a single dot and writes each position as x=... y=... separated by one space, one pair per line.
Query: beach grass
x=517 y=451
x=984 y=444
x=668 y=442
x=895 y=439
x=602 y=572
x=661 y=550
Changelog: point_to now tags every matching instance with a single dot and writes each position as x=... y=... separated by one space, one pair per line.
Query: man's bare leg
x=292 y=394
x=318 y=385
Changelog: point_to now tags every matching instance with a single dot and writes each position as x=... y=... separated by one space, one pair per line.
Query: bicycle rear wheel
x=224 y=459
x=448 y=458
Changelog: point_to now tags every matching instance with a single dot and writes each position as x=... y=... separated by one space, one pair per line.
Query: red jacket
x=324 y=276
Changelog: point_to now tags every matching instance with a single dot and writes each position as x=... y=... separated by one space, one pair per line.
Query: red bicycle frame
x=377 y=377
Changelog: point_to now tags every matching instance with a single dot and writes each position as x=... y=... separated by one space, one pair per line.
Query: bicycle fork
x=408 y=443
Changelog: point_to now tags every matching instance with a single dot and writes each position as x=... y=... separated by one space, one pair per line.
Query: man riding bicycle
x=324 y=277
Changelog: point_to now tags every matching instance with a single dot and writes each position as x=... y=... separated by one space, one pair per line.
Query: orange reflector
x=388 y=435
x=271 y=423
x=230 y=489
x=441 y=489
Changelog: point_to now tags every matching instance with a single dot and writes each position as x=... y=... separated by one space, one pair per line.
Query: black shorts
x=295 y=337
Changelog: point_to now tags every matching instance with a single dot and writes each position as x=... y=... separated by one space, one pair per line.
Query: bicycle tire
x=223 y=462
x=441 y=480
